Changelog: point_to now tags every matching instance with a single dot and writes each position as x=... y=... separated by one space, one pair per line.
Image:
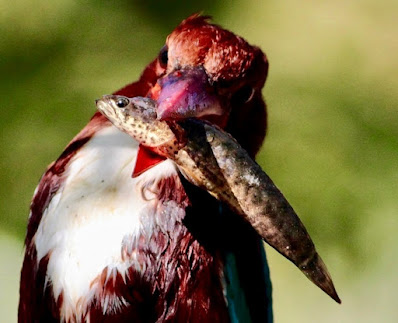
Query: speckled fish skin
x=211 y=159
x=138 y=119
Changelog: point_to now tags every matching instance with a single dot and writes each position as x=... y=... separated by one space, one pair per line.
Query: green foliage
x=332 y=145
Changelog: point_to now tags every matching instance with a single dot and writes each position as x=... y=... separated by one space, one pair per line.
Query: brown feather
x=184 y=255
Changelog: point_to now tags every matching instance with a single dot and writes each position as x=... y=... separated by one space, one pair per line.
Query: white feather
x=98 y=204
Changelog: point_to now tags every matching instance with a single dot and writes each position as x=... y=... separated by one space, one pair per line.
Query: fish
x=213 y=160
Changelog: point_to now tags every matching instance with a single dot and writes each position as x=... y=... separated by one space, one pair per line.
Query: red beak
x=187 y=93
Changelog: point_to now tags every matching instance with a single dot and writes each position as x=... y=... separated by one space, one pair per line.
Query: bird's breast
x=96 y=217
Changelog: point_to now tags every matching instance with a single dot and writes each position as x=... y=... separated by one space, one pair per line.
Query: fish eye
x=122 y=102
x=164 y=56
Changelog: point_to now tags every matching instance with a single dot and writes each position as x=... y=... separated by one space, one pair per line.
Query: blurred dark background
x=332 y=145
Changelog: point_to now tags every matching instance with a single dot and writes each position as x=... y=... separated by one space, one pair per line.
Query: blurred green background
x=332 y=145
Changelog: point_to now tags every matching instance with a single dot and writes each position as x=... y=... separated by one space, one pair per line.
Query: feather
x=149 y=247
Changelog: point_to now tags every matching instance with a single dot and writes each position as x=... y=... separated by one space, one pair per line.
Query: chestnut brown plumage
x=105 y=246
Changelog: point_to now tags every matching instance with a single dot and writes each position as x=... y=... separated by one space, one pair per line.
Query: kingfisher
x=116 y=234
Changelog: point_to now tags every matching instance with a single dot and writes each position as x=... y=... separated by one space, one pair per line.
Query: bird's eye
x=122 y=102
x=163 y=56
x=244 y=94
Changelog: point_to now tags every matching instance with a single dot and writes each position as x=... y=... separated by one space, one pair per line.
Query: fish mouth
x=104 y=105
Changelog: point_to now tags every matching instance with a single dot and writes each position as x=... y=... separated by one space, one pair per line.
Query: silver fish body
x=212 y=159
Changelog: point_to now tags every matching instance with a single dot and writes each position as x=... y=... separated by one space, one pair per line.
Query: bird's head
x=211 y=73
x=204 y=71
